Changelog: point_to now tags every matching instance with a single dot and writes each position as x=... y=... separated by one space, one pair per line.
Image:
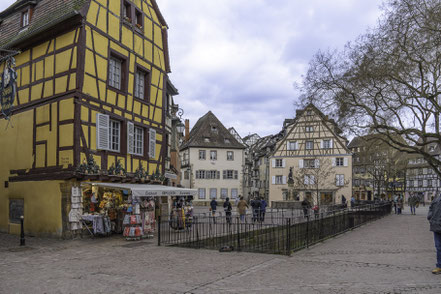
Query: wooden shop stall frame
x=130 y=209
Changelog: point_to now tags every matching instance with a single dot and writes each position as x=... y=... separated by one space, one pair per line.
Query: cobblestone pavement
x=391 y=255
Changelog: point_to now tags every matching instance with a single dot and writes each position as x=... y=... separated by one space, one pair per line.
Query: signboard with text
x=8 y=88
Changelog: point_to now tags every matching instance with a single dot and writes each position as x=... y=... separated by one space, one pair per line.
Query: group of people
x=258 y=206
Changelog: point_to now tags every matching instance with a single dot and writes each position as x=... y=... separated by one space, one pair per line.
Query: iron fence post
x=22 y=236
x=238 y=234
x=159 y=230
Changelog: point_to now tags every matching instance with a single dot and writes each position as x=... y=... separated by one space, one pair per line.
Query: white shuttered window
x=140 y=84
x=115 y=135
x=102 y=131
x=152 y=143
x=115 y=73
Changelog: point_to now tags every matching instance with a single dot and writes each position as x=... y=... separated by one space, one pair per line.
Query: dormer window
x=25 y=19
x=206 y=140
x=214 y=129
x=227 y=140
x=431 y=148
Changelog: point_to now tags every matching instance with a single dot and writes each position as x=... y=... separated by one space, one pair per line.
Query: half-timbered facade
x=92 y=84
x=311 y=161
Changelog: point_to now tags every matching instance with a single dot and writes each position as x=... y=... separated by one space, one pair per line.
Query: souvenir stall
x=181 y=214
x=130 y=208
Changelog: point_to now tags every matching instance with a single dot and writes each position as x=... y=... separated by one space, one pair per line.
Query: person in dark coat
x=263 y=206
x=305 y=206
x=228 y=208
x=255 y=205
x=434 y=218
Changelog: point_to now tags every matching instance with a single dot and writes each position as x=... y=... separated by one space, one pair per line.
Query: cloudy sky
x=241 y=58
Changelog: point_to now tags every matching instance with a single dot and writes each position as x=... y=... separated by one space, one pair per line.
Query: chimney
x=187 y=130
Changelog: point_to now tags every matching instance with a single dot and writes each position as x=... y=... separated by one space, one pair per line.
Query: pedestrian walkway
x=392 y=255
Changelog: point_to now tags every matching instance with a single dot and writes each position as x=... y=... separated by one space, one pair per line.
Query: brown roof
x=46 y=14
x=209 y=132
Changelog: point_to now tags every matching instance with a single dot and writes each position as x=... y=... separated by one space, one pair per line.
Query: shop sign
x=8 y=87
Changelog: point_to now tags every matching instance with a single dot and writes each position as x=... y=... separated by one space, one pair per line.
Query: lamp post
x=22 y=238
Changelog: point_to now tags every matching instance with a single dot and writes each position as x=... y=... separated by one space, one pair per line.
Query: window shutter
x=273 y=162
x=424 y=183
x=218 y=174
x=130 y=137
x=321 y=144
x=224 y=174
x=336 y=180
x=301 y=163
x=283 y=163
x=306 y=180
x=345 y=161
x=287 y=145
x=274 y=180
x=331 y=144
x=317 y=163
x=312 y=180
x=284 y=180
x=102 y=131
x=152 y=143
x=334 y=161
x=235 y=175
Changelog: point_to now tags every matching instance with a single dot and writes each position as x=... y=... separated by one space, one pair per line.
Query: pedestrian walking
x=242 y=208
x=400 y=205
x=434 y=218
x=305 y=207
x=395 y=203
x=352 y=201
x=255 y=205
x=263 y=206
x=228 y=209
x=213 y=207
x=413 y=200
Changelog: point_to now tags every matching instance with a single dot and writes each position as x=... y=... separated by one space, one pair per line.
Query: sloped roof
x=46 y=14
x=209 y=132
x=371 y=138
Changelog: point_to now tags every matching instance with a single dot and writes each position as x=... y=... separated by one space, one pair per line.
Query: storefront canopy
x=143 y=190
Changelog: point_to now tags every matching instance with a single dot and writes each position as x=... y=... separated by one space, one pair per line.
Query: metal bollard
x=22 y=237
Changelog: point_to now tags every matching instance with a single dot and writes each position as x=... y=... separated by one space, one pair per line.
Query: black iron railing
x=276 y=234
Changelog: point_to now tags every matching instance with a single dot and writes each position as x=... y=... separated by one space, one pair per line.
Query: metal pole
x=238 y=234
x=159 y=230
x=22 y=237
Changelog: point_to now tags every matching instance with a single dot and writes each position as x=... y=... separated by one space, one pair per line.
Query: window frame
x=111 y=149
x=309 y=129
x=230 y=158
x=147 y=83
x=204 y=196
x=124 y=72
x=339 y=180
x=135 y=146
x=278 y=160
x=22 y=18
x=215 y=154
x=204 y=153
x=326 y=143
x=278 y=180
x=338 y=159
x=309 y=142
x=211 y=193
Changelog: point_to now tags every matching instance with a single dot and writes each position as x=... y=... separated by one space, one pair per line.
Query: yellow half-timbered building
x=91 y=83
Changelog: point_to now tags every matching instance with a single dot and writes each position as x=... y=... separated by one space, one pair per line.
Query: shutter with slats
x=301 y=163
x=297 y=145
x=224 y=174
x=273 y=162
x=345 y=161
x=317 y=163
x=152 y=143
x=274 y=180
x=334 y=161
x=283 y=163
x=312 y=180
x=235 y=175
x=321 y=144
x=306 y=180
x=284 y=180
x=218 y=174
x=287 y=145
x=102 y=131
x=331 y=144
x=130 y=138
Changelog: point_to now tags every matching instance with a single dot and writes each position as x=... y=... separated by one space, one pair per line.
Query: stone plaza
x=392 y=255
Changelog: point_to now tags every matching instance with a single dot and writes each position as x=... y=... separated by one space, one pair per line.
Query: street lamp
x=180 y=127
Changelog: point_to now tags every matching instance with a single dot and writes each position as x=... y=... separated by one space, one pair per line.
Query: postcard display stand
x=76 y=209
x=139 y=222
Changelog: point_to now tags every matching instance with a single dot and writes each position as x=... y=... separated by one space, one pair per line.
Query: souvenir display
x=181 y=216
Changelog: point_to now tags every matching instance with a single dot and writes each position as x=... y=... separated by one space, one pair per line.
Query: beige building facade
x=311 y=161
x=212 y=161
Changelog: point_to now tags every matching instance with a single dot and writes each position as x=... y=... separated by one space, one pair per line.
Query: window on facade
x=114 y=135
x=230 y=155
x=309 y=180
x=138 y=18
x=200 y=174
x=224 y=193
x=186 y=175
x=233 y=193
x=227 y=140
x=213 y=155
x=339 y=180
x=431 y=148
x=420 y=183
x=202 y=154
x=137 y=139
x=279 y=180
x=309 y=163
x=206 y=139
x=309 y=145
x=292 y=145
x=326 y=144
x=309 y=129
x=212 y=174
x=115 y=73
x=429 y=183
x=201 y=193
x=213 y=193
x=279 y=162
x=309 y=112
x=420 y=171
x=25 y=18
x=339 y=161
x=230 y=174
x=140 y=84
x=127 y=10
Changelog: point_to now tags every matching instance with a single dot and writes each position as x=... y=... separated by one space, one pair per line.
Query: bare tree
x=317 y=175
x=388 y=80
